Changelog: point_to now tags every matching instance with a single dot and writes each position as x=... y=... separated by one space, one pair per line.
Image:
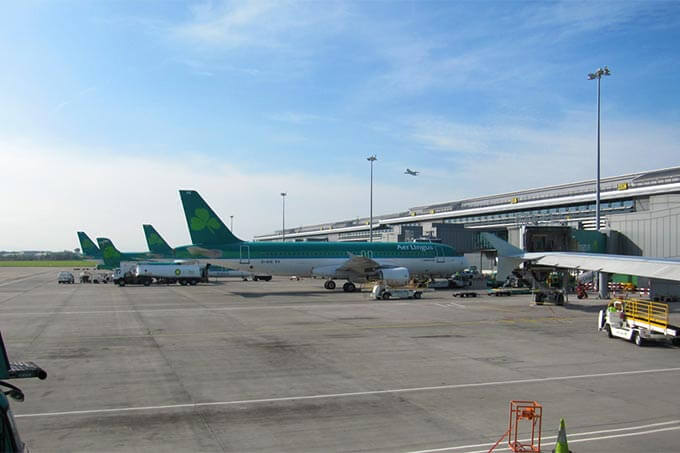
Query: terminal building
x=639 y=215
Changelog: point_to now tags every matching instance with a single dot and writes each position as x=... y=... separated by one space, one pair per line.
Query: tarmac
x=288 y=366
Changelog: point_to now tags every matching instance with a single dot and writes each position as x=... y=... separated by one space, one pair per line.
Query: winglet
x=502 y=247
x=509 y=256
x=155 y=242
x=205 y=227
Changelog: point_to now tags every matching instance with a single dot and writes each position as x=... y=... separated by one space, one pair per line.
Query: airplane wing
x=359 y=264
x=662 y=268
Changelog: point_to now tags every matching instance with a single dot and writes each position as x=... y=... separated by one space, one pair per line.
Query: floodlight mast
x=283 y=217
x=592 y=76
x=371 y=159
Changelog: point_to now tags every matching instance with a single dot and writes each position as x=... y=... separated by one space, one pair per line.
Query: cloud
x=294 y=117
x=509 y=156
x=55 y=191
x=255 y=23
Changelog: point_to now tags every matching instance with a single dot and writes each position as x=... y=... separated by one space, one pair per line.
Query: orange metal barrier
x=532 y=413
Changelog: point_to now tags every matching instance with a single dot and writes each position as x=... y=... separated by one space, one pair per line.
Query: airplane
x=395 y=262
x=90 y=251
x=510 y=257
x=156 y=243
x=112 y=256
x=411 y=172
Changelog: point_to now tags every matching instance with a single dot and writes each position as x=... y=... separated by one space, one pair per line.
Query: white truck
x=638 y=321
x=384 y=292
x=184 y=274
x=145 y=273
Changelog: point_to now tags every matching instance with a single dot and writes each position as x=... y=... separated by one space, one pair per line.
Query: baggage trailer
x=639 y=321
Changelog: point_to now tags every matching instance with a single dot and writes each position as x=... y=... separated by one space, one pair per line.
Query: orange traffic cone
x=561 y=446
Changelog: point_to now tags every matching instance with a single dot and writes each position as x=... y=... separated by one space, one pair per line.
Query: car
x=65 y=277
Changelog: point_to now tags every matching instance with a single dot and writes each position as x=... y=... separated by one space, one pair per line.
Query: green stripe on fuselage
x=319 y=250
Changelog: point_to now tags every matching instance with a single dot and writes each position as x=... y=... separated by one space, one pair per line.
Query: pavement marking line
x=590 y=439
x=570 y=435
x=350 y=394
x=22 y=279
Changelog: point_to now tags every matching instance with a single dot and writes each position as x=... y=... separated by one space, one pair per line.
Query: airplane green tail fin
x=87 y=246
x=110 y=253
x=155 y=242
x=205 y=227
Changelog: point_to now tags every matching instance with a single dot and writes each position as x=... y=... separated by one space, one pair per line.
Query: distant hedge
x=48 y=263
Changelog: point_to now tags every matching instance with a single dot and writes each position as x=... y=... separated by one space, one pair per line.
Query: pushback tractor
x=639 y=321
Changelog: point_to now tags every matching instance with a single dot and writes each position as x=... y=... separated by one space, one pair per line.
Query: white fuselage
x=305 y=267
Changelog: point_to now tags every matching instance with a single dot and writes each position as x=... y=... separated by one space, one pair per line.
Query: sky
x=107 y=109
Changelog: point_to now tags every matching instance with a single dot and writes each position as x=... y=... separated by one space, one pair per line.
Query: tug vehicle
x=384 y=292
x=639 y=321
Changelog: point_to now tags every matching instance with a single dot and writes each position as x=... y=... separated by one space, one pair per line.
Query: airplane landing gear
x=349 y=287
x=329 y=284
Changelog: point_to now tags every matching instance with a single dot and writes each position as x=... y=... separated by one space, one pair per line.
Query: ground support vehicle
x=440 y=284
x=555 y=295
x=264 y=278
x=170 y=273
x=384 y=292
x=9 y=435
x=638 y=321
x=65 y=277
x=84 y=277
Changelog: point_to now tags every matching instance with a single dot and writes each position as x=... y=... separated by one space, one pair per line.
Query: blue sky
x=108 y=108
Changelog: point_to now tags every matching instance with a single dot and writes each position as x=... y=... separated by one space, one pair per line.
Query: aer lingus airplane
x=212 y=242
x=112 y=256
x=88 y=248
x=156 y=243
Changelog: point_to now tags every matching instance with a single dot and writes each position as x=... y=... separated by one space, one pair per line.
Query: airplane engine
x=397 y=276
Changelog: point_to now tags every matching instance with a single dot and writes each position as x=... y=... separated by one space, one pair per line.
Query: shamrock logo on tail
x=202 y=220
x=110 y=253
x=154 y=239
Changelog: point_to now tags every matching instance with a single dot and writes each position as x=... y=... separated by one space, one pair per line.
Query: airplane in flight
x=355 y=262
x=411 y=172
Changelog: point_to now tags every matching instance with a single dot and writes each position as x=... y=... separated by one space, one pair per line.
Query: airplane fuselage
x=316 y=258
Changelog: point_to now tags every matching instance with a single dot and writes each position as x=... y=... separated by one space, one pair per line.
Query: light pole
x=231 y=224
x=370 y=226
x=283 y=217
x=592 y=76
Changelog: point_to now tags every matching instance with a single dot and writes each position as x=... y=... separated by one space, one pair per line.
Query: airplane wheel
x=330 y=284
x=349 y=287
